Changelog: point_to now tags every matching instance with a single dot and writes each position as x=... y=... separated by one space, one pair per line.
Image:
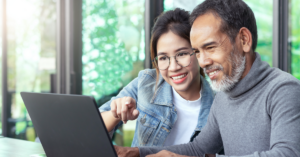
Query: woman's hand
x=124 y=109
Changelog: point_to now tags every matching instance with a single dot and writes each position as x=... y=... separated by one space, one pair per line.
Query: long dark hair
x=177 y=21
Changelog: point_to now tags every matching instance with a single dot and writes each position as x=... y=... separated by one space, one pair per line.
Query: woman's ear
x=245 y=39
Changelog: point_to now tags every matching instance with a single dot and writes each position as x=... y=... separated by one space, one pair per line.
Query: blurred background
x=96 y=47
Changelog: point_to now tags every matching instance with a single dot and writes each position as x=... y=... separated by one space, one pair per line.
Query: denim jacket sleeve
x=130 y=90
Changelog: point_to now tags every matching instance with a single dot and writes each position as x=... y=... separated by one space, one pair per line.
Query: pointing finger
x=135 y=113
x=119 y=108
x=113 y=109
x=124 y=113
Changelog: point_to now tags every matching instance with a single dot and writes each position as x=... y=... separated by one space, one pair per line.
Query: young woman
x=171 y=102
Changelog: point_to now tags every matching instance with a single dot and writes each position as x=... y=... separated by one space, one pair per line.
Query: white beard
x=228 y=82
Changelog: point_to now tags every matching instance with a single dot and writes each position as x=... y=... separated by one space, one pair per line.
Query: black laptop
x=68 y=125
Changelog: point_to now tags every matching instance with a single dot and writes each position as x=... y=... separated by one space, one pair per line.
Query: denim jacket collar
x=163 y=96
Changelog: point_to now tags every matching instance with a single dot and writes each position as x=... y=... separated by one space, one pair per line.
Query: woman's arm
x=110 y=111
x=109 y=120
x=121 y=109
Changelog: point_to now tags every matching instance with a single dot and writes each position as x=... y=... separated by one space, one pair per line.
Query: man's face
x=221 y=60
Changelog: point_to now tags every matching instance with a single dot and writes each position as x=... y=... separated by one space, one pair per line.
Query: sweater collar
x=257 y=73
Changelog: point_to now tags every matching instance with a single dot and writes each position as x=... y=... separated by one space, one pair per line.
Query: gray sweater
x=259 y=117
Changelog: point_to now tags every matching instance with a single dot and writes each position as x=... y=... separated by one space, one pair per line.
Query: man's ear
x=245 y=38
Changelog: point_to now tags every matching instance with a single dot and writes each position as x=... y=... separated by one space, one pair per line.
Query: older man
x=257 y=111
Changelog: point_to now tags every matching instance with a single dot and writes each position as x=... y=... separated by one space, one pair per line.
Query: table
x=10 y=147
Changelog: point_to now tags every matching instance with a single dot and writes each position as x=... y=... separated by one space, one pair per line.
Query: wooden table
x=10 y=147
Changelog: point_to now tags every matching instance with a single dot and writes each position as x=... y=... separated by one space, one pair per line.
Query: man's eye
x=196 y=51
x=209 y=48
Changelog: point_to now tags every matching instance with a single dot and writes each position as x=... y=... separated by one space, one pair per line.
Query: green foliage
x=1 y=71
x=30 y=39
x=105 y=59
x=168 y=5
x=113 y=45
x=128 y=136
x=113 y=49
x=20 y=126
x=295 y=38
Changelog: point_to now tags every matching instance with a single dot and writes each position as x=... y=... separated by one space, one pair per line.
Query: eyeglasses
x=182 y=58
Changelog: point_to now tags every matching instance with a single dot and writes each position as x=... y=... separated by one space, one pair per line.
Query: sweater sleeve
x=208 y=141
x=284 y=109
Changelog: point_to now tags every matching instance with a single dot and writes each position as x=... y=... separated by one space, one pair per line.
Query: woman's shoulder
x=147 y=74
x=147 y=81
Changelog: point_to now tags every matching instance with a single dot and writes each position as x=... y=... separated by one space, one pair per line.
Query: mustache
x=217 y=67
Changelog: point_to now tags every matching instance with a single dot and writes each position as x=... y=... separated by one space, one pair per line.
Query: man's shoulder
x=281 y=78
x=282 y=93
x=282 y=87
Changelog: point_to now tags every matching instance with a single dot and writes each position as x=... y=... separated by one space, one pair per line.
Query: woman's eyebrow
x=161 y=53
x=182 y=48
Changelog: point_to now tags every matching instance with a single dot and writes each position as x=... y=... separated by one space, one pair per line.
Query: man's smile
x=212 y=75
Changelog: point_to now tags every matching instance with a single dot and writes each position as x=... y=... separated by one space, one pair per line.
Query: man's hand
x=127 y=151
x=165 y=153
x=210 y=155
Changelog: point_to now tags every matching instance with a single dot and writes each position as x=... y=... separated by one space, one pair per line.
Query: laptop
x=68 y=125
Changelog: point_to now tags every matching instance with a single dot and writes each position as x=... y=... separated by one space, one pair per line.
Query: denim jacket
x=157 y=114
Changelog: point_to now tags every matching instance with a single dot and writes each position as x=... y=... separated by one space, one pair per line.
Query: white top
x=187 y=119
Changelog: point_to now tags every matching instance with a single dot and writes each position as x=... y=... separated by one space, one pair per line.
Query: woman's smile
x=179 y=78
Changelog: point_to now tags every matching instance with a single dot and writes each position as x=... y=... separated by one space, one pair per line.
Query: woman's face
x=182 y=79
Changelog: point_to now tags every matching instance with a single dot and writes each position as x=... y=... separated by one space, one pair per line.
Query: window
x=30 y=58
x=113 y=49
x=113 y=45
x=1 y=67
x=172 y=4
x=263 y=12
x=295 y=38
